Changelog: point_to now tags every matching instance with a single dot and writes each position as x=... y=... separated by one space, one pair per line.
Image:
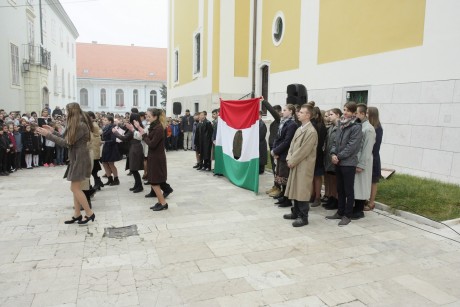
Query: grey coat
x=331 y=135
x=79 y=159
x=363 y=180
x=347 y=143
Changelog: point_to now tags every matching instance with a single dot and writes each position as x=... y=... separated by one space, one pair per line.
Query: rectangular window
x=61 y=37
x=197 y=107
x=53 y=30
x=176 y=66
x=197 y=55
x=14 y=64
x=357 y=96
x=63 y=83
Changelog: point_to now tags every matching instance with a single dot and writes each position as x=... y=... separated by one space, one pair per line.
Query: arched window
x=84 y=97
x=119 y=98
x=135 y=98
x=103 y=97
x=153 y=98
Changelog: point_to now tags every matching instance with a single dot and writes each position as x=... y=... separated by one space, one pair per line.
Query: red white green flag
x=234 y=116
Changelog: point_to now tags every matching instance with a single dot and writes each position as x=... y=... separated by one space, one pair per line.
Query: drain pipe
x=254 y=50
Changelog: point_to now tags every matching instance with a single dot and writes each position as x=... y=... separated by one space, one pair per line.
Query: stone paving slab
x=216 y=245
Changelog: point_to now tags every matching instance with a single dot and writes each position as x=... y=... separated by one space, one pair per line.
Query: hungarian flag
x=236 y=160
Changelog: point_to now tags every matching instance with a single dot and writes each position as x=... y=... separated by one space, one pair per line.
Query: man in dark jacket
x=56 y=112
x=203 y=139
x=186 y=127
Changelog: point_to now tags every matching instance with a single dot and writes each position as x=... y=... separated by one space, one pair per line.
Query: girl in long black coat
x=110 y=152
x=28 y=145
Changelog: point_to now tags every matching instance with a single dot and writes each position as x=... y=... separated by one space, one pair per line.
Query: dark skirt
x=110 y=152
x=376 y=169
x=282 y=172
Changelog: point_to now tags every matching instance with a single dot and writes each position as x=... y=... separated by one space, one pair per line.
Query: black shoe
x=91 y=192
x=159 y=207
x=333 y=204
x=285 y=204
x=133 y=188
x=290 y=216
x=280 y=200
x=138 y=190
x=109 y=181
x=208 y=169
x=146 y=183
x=357 y=215
x=197 y=165
x=73 y=220
x=151 y=194
x=87 y=219
x=98 y=184
x=299 y=222
x=130 y=173
x=115 y=181
x=155 y=205
x=166 y=194
x=199 y=168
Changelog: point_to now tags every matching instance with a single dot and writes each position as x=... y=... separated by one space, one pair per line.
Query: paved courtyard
x=216 y=245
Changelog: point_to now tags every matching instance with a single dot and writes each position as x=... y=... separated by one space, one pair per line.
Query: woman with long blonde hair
x=76 y=138
x=156 y=160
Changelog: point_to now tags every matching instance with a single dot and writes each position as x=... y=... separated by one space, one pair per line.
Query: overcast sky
x=120 y=22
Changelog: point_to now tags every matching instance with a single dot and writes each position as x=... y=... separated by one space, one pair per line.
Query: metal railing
x=37 y=55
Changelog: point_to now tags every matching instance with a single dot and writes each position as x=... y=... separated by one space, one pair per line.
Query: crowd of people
x=308 y=148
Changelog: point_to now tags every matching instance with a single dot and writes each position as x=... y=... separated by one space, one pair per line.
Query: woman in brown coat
x=76 y=138
x=156 y=160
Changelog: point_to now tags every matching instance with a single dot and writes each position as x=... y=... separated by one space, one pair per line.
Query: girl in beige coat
x=301 y=160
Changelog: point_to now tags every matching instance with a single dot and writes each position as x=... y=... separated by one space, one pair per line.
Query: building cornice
x=59 y=10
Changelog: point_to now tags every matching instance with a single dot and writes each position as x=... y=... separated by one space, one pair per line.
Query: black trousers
x=301 y=209
x=359 y=205
x=346 y=189
x=137 y=179
x=3 y=161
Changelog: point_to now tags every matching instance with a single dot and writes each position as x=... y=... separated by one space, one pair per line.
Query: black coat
x=283 y=142
x=262 y=143
x=322 y=133
x=38 y=145
x=110 y=151
x=28 y=142
x=274 y=125
x=376 y=164
x=203 y=139
x=136 y=151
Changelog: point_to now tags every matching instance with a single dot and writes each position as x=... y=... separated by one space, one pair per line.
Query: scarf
x=346 y=121
x=282 y=123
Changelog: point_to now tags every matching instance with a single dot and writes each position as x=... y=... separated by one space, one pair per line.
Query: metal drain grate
x=121 y=232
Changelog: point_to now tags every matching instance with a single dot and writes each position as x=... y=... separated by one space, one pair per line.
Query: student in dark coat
x=136 y=152
x=286 y=131
x=203 y=139
x=373 y=115
x=275 y=111
x=262 y=145
x=110 y=152
x=28 y=145
x=157 y=173
x=320 y=127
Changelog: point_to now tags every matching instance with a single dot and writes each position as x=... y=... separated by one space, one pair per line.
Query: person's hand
x=276 y=156
x=49 y=128
x=335 y=160
x=359 y=170
x=114 y=130
x=290 y=165
x=130 y=127
x=136 y=124
x=141 y=130
x=43 y=131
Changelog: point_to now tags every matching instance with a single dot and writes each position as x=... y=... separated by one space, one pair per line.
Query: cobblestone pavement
x=217 y=245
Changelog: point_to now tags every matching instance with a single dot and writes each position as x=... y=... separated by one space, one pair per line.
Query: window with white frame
x=61 y=37
x=103 y=97
x=119 y=98
x=74 y=84
x=68 y=46
x=197 y=53
x=84 y=97
x=135 y=98
x=14 y=64
x=176 y=66
x=56 y=80
x=63 y=82
x=44 y=28
x=68 y=85
x=53 y=30
x=153 y=98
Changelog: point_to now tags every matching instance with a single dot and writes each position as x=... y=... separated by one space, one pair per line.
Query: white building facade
x=38 y=59
x=113 y=78
x=399 y=56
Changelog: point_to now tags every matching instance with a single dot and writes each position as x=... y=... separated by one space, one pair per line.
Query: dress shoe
x=87 y=219
x=316 y=203
x=151 y=194
x=159 y=207
x=133 y=188
x=115 y=181
x=357 y=215
x=166 y=194
x=197 y=165
x=73 y=220
x=290 y=216
x=138 y=190
x=344 y=221
x=280 y=200
x=336 y=216
x=285 y=204
x=299 y=222
x=154 y=205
